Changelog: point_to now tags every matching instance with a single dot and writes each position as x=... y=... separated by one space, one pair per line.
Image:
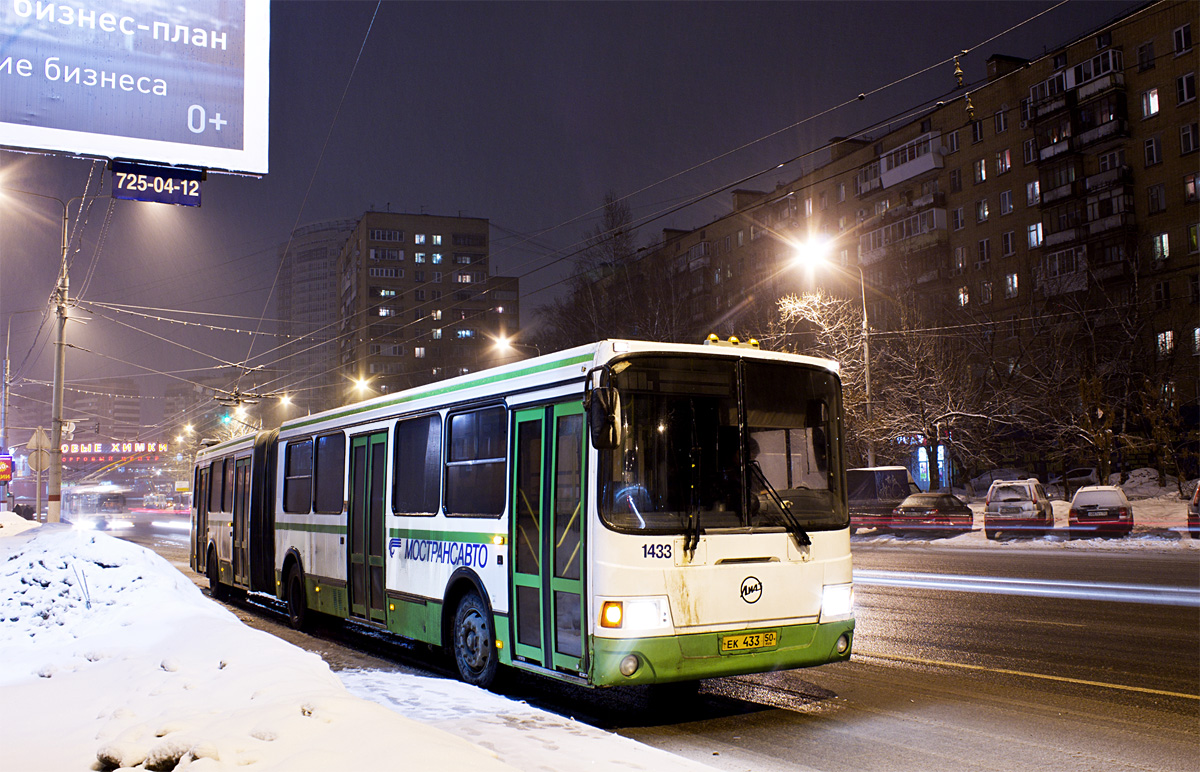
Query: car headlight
x=837 y=602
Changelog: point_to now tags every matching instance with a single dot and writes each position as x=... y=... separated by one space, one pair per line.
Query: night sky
x=525 y=114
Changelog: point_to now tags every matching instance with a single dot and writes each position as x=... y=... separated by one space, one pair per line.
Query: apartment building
x=1054 y=200
x=417 y=301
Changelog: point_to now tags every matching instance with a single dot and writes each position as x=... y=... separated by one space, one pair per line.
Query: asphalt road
x=965 y=659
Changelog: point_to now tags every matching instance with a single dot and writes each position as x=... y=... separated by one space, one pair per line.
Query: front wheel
x=990 y=534
x=473 y=643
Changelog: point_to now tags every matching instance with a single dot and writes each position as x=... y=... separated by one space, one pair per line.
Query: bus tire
x=297 y=600
x=217 y=590
x=473 y=642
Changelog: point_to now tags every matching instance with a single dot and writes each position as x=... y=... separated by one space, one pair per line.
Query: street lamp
x=504 y=344
x=816 y=252
x=54 y=494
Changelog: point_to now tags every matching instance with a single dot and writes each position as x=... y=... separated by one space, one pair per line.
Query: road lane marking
x=1123 y=593
x=1004 y=671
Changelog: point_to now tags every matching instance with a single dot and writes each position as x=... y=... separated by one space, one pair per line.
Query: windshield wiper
x=785 y=507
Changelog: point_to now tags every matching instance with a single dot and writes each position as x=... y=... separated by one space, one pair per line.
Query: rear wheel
x=473 y=642
x=990 y=534
x=217 y=590
x=297 y=600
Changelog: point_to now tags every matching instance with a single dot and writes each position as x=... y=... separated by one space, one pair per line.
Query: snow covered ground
x=111 y=658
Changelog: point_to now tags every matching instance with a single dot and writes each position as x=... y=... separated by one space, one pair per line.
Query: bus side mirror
x=603 y=410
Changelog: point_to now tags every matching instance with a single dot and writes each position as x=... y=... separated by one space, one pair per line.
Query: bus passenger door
x=241 y=513
x=368 y=465
x=200 y=519
x=547 y=537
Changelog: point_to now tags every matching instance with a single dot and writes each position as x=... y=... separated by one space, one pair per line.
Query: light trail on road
x=1120 y=593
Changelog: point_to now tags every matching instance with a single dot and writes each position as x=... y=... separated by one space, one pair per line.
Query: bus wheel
x=217 y=590
x=297 y=601
x=473 y=642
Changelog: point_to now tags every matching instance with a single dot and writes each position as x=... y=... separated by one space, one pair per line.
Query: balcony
x=1115 y=128
x=1049 y=106
x=927 y=200
x=1059 y=193
x=1064 y=236
x=1057 y=149
x=1112 y=222
x=1116 y=176
x=1100 y=85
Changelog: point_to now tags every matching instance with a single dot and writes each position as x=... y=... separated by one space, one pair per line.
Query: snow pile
x=12 y=524
x=112 y=658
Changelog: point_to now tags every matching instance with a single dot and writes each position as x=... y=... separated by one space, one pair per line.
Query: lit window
x=418 y=257
x=419 y=352
x=1160 y=246
x=985 y=292
x=436 y=314
x=1010 y=285
x=1035 y=235
x=1033 y=194
x=1166 y=343
x=437 y=256
x=437 y=333
x=980 y=171
x=1003 y=161
x=963 y=296
x=981 y=211
x=419 y=238
x=1150 y=103
x=437 y=239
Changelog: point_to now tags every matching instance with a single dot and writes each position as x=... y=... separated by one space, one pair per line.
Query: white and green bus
x=619 y=513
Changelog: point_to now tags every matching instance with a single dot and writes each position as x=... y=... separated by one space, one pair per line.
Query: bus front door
x=368 y=462
x=547 y=537
x=241 y=516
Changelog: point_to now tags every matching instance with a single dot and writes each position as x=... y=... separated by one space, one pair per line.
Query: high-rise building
x=307 y=289
x=417 y=302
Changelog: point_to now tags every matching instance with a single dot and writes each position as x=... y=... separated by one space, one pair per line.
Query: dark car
x=1100 y=509
x=874 y=492
x=933 y=512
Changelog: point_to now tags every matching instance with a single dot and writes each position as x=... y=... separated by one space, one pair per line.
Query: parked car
x=874 y=492
x=1077 y=478
x=1194 y=514
x=932 y=512
x=1017 y=505
x=1100 y=509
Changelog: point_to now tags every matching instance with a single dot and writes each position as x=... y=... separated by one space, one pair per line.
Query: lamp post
x=503 y=344
x=814 y=252
x=54 y=494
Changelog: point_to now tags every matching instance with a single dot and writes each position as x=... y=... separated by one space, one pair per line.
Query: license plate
x=749 y=641
x=1011 y=510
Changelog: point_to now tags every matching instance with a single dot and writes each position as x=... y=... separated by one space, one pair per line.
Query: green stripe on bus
x=400 y=399
x=310 y=527
x=459 y=536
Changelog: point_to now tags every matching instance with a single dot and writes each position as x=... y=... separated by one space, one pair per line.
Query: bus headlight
x=837 y=602
x=635 y=614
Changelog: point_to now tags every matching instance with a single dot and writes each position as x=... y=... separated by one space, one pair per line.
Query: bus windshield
x=717 y=443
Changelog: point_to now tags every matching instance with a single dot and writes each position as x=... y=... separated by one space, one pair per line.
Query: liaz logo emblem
x=751 y=589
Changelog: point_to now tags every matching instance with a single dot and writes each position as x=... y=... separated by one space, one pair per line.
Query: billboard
x=180 y=84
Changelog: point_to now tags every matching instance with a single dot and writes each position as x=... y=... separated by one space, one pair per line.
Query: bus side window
x=227 y=486
x=215 y=477
x=297 y=477
x=329 y=474
x=417 y=474
x=476 y=445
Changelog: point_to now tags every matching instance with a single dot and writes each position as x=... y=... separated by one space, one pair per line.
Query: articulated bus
x=618 y=513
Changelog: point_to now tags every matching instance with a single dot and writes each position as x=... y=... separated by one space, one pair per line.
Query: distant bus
x=96 y=504
x=619 y=513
